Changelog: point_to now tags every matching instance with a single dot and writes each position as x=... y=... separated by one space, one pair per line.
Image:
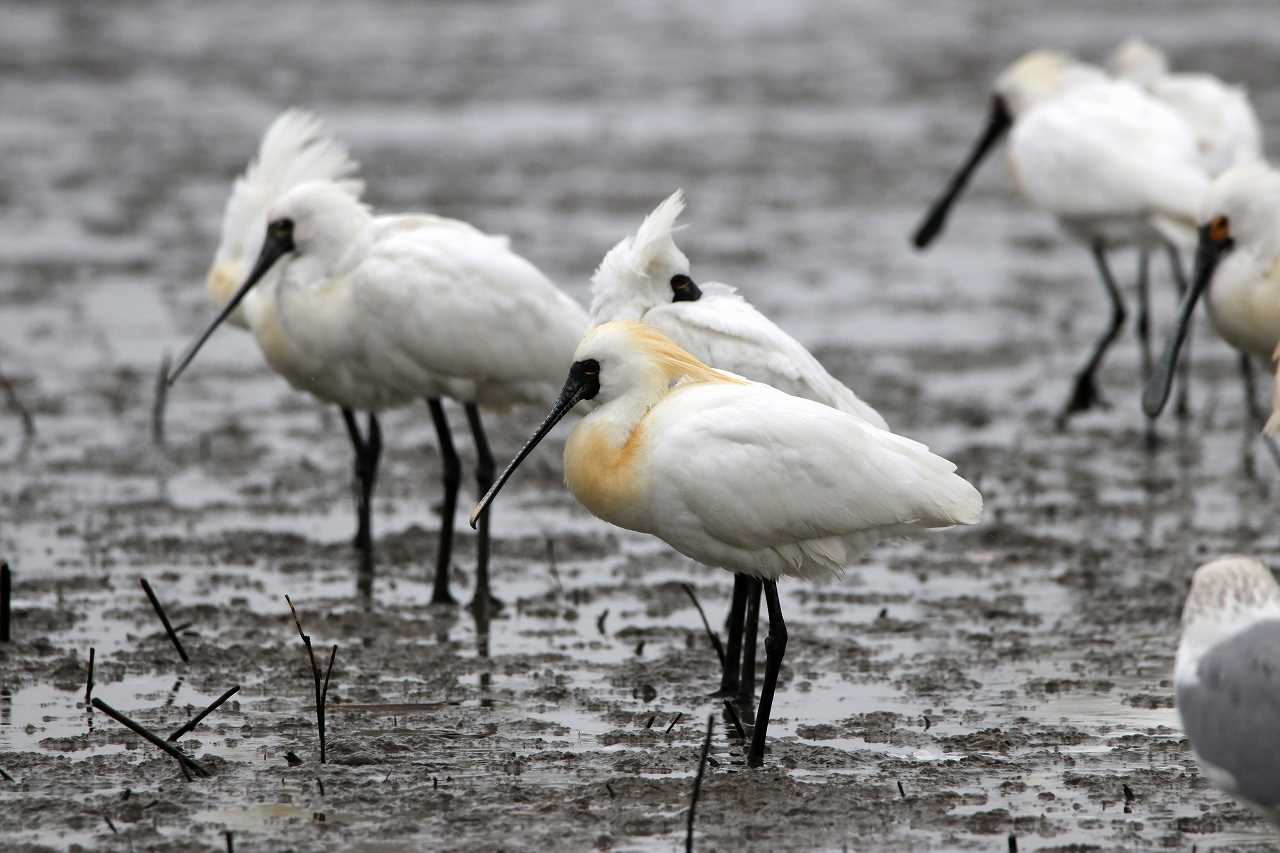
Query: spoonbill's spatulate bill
x=1114 y=165
x=647 y=278
x=1226 y=679
x=1237 y=271
x=736 y=474
x=374 y=312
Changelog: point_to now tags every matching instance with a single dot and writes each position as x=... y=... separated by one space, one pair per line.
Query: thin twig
x=231 y=847
x=114 y=831
x=673 y=722
x=164 y=620
x=697 y=784
x=185 y=761
x=88 y=687
x=6 y=777
x=6 y=593
x=322 y=691
x=715 y=639
x=195 y=721
x=15 y=403
x=159 y=401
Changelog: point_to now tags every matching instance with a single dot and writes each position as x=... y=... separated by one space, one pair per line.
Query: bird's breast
x=1245 y=307
x=608 y=475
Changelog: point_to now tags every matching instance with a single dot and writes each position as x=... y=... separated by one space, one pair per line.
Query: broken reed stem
x=734 y=718
x=673 y=722
x=184 y=761
x=15 y=403
x=88 y=687
x=195 y=721
x=697 y=785
x=231 y=847
x=6 y=594
x=322 y=691
x=159 y=401
x=711 y=635
x=164 y=620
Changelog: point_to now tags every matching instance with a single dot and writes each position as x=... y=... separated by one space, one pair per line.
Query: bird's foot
x=1084 y=396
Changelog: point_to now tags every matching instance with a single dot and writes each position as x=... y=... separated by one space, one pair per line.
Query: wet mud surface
x=1009 y=678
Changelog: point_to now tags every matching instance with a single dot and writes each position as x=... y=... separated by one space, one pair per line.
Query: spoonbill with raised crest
x=375 y=312
x=736 y=474
x=646 y=278
x=1114 y=165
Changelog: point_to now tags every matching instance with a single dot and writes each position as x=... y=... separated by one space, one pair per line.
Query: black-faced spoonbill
x=1237 y=268
x=295 y=149
x=375 y=312
x=646 y=278
x=1227 y=682
x=736 y=474
x=1114 y=165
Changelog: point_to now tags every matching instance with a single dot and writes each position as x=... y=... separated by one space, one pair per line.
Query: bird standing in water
x=375 y=312
x=736 y=474
x=646 y=278
x=1114 y=165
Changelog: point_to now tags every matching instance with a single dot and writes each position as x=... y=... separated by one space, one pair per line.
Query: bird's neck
x=602 y=460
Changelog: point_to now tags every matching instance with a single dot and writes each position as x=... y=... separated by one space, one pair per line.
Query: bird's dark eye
x=680 y=282
x=1220 y=229
x=590 y=367
x=281 y=227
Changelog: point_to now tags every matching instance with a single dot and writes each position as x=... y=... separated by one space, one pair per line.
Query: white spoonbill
x=646 y=278
x=295 y=149
x=1115 y=166
x=1237 y=268
x=375 y=312
x=736 y=474
x=1226 y=679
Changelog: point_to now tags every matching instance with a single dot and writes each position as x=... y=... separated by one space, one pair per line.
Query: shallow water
x=1013 y=678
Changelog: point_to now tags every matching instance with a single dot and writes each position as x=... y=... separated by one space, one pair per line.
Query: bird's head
x=1230 y=589
x=1039 y=76
x=644 y=270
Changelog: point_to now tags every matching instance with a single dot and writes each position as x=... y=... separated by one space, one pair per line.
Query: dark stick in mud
x=711 y=635
x=164 y=620
x=185 y=761
x=231 y=847
x=734 y=718
x=88 y=687
x=15 y=403
x=195 y=721
x=697 y=785
x=673 y=722
x=322 y=690
x=6 y=777
x=159 y=401
x=6 y=593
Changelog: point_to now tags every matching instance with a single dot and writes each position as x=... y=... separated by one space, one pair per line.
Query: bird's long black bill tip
x=998 y=121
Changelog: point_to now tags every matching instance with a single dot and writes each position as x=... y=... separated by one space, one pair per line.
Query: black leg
x=751 y=622
x=733 y=652
x=1182 y=405
x=485 y=471
x=357 y=444
x=452 y=479
x=1084 y=395
x=775 y=646
x=1143 y=328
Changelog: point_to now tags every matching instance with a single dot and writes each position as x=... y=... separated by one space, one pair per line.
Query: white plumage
x=719 y=327
x=294 y=149
x=1226 y=127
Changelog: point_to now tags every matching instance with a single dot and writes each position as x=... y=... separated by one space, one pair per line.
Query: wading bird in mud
x=374 y=312
x=646 y=278
x=736 y=474
x=295 y=149
x=1238 y=266
x=1226 y=681
x=1114 y=165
